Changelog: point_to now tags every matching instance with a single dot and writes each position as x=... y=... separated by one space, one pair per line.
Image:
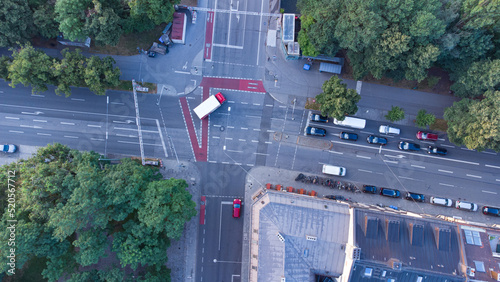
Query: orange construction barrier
x=289 y=189
x=302 y=191
x=268 y=186
x=313 y=193
x=278 y=187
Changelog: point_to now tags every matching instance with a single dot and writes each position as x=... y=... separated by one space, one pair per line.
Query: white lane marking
x=392 y=162
x=363 y=157
x=96 y=139
x=39 y=120
x=234 y=151
x=369 y=171
x=117 y=103
x=366 y=132
x=397 y=157
x=229 y=138
x=475 y=176
x=271 y=131
x=214 y=162
x=250 y=164
x=137 y=143
x=408 y=139
x=282 y=107
x=427 y=142
x=225 y=162
x=256 y=129
x=229 y=126
x=243 y=128
x=183 y=72
x=242 y=140
x=12 y=118
x=404 y=177
x=253 y=116
x=467 y=149
x=15 y=131
x=447 y=171
x=237 y=163
x=441 y=139
x=445 y=184
x=256 y=104
x=45 y=134
x=491 y=153
x=338 y=153
x=231 y=102
x=69 y=136
x=92 y=125
x=255 y=141
x=261 y=154
x=449 y=146
x=124 y=135
x=37 y=95
x=493 y=166
x=485 y=191
x=497 y=179
x=30 y=126
x=244 y=103
x=216 y=125
x=216 y=137
x=78 y=99
x=268 y=142
x=418 y=166
x=67 y=123
x=267 y=105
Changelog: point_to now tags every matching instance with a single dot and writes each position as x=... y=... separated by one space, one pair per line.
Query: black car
x=407 y=146
x=348 y=136
x=372 y=139
x=369 y=189
x=414 y=197
x=491 y=211
x=336 y=197
x=318 y=118
x=316 y=131
x=437 y=151
x=393 y=193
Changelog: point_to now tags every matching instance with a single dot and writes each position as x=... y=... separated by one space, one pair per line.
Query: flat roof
x=415 y=242
x=288 y=28
x=299 y=236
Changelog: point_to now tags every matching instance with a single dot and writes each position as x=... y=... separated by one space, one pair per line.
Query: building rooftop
x=407 y=245
x=481 y=251
x=299 y=236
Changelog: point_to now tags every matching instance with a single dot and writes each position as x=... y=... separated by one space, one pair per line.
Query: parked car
x=318 y=118
x=491 y=211
x=437 y=151
x=390 y=192
x=348 y=136
x=369 y=189
x=466 y=206
x=427 y=136
x=441 y=201
x=316 y=131
x=336 y=197
x=8 y=148
x=385 y=129
x=236 y=208
x=372 y=139
x=407 y=146
x=414 y=197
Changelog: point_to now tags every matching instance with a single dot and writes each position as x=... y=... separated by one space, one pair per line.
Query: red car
x=427 y=136
x=236 y=208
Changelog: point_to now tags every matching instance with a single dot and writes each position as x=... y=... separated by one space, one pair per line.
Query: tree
x=69 y=71
x=479 y=14
x=16 y=22
x=71 y=17
x=419 y=60
x=31 y=68
x=4 y=67
x=480 y=76
x=104 y=26
x=424 y=119
x=44 y=21
x=159 y=11
x=395 y=114
x=308 y=49
x=336 y=100
x=100 y=74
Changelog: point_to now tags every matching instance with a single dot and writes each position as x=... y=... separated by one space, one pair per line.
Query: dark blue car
x=372 y=139
x=348 y=136
x=316 y=131
x=414 y=197
x=318 y=118
x=369 y=189
x=393 y=193
x=407 y=146
x=437 y=151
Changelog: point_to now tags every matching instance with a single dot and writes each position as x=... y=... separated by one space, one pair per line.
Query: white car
x=441 y=201
x=385 y=129
x=466 y=206
x=8 y=148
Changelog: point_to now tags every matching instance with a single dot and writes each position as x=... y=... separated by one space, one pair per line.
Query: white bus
x=353 y=122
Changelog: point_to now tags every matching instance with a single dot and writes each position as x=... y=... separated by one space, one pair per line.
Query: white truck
x=385 y=129
x=353 y=122
x=334 y=170
x=209 y=105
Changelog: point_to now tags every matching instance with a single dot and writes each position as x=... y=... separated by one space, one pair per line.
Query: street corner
x=166 y=89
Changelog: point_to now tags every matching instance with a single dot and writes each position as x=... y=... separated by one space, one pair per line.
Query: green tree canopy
x=336 y=100
x=395 y=114
x=71 y=208
x=31 y=68
x=69 y=71
x=424 y=119
x=100 y=74
x=16 y=22
x=480 y=76
x=475 y=123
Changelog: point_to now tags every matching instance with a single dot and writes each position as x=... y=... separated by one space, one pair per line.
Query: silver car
x=8 y=148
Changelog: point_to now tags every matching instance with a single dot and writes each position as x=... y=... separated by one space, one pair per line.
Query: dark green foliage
x=16 y=22
x=424 y=119
x=395 y=114
x=69 y=71
x=31 y=68
x=336 y=100
x=70 y=210
x=480 y=76
x=44 y=21
x=99 y=74
x=4 y=67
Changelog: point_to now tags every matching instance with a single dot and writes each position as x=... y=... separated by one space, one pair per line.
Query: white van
x=353 y=122
x=334 y=170
x=441 y=201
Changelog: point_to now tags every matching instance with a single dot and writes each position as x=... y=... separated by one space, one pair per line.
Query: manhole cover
x=222 y=128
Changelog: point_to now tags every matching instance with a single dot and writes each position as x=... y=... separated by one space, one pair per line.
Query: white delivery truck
x=353 y=122
x=385 y=129
x=209 y=105
x=334 y=170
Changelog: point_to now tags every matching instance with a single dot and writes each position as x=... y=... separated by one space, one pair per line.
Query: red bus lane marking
x=233 y=84
x=200 y=153
x=251 y=85
x=209 y=30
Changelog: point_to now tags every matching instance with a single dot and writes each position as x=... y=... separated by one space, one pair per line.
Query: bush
x=433 y=80
x=395 y=114
x=424 y=119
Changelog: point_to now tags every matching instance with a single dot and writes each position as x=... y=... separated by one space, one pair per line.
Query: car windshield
x=237 y=206
x=406 y=145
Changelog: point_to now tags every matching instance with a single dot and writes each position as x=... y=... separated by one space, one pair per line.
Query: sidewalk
x=286 y=80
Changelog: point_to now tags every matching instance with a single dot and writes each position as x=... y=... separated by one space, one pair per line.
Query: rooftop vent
x=368 y=272
x=356 y=254
x=311 y=238
x=280 y=237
